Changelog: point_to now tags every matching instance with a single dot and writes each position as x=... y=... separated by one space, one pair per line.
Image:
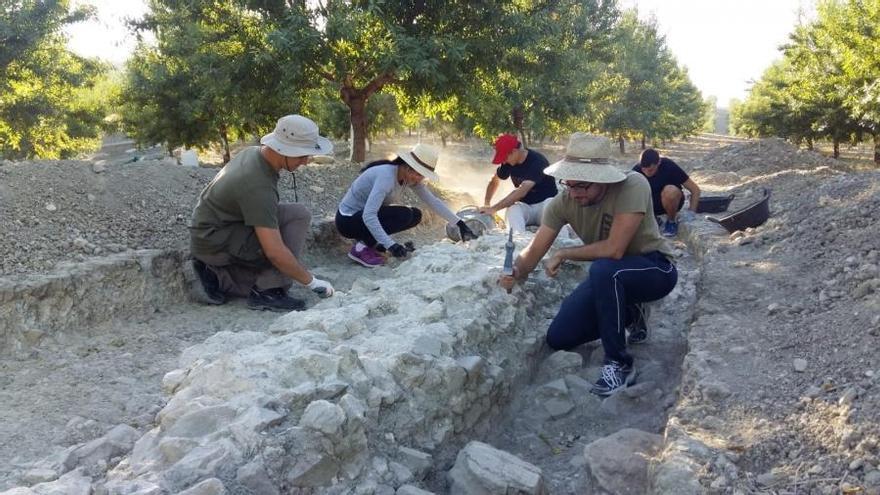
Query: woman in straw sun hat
x=611 y=211
x=366 y=215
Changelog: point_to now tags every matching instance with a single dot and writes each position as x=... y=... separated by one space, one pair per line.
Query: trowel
x=508 y=256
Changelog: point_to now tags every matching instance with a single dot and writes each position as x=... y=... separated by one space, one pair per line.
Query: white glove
x=320 y=287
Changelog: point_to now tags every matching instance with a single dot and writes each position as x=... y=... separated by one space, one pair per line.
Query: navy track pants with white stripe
x=600 y=307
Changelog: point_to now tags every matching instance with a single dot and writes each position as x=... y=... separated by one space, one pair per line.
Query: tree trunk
x=517 y=116
x=224 y=138
x=357 y=106
x=620 y=142
x=643 y=141
x=836 y=153
x=810 y=144
x=877 y=148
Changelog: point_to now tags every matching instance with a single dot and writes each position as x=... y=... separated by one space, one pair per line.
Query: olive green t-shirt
x=243 y=195
x=593 y=223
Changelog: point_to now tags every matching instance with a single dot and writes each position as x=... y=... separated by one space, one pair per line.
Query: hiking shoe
x=274 y=300
x=615 y=377
x=638 y=330
x=366 y=256
x=210 y=283
x=670 y=229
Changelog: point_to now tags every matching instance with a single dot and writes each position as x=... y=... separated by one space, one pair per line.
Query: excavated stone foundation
x=375 y=390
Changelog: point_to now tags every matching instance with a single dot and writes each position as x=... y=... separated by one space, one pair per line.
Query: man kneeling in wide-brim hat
x=611 y=211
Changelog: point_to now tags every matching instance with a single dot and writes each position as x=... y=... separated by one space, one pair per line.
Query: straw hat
x=295 y=135
x=586 y=160
x=423 y=159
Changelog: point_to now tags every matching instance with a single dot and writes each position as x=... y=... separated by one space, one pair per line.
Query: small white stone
x=51 y=207
x=800 y=365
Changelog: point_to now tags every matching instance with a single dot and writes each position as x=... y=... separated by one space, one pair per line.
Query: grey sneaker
x=638 y=330
x=274 y=300
x=615 y=377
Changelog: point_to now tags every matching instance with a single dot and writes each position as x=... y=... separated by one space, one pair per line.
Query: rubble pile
x=730 y=164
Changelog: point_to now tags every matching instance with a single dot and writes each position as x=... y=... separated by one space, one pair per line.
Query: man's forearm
x=510 y=199
x=291 y=267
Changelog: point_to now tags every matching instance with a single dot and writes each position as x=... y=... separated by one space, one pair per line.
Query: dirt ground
x=789 y=312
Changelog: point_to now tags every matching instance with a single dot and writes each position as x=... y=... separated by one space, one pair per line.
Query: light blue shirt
x=375 y=187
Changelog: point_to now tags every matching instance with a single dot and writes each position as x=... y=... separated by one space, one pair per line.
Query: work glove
x=466 y=233
x=398 y=251
x=320 y=287
x=409 y=246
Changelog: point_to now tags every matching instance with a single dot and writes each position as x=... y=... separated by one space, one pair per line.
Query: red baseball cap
x=504 y=144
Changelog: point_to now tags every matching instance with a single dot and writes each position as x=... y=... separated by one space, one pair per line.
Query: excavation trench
x=376 y=388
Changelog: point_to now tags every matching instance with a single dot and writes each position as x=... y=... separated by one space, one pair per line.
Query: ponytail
x=396 y=161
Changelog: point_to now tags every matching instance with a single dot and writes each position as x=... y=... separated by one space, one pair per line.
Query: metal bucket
x=478 y=222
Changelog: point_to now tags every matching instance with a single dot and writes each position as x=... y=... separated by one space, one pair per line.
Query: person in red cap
x=534 y=188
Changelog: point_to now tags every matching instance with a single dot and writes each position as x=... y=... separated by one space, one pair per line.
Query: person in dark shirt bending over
x=534 y=188
x=667 y=179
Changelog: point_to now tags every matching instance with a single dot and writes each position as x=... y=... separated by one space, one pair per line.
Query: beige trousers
x=238 y=275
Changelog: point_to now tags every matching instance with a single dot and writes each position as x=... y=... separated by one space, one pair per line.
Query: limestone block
x=483 y=469
x=172 y=380
x=211 y=486
x=202 y=462
x=417 y=461
x=473 y=365
x=72 y=483
x=201 y=422
x=559 y=364
x=554 y=398
x=412 y=490
x=39 y=475
x=254 y=477
x=99 y=451
x=619 y=462
x=174 y=449
x=323 y=416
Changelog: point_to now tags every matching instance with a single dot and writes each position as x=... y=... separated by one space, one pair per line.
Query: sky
x=725 y=44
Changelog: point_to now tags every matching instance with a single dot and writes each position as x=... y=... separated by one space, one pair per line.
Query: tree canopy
x=46 y=108
x=826 y=84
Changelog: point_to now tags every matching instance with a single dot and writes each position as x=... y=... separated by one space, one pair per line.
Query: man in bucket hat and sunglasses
x=243 y=241
x=611 y=211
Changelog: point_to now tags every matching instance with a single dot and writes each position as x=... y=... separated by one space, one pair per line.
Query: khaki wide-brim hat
x=295 y=135
x=586 y=160
x=423 y=159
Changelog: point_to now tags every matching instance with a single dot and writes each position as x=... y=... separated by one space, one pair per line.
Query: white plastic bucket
x=189 y=158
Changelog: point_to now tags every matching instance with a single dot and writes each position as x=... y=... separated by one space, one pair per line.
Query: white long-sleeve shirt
x=374 y=188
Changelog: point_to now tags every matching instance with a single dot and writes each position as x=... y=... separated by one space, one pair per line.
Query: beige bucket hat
x=423 y=159
x=586 y=160
x=295 y=135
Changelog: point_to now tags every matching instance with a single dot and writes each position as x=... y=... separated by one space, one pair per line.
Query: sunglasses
x=583 y=186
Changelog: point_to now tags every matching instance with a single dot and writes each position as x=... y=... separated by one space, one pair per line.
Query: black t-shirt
x=668 y=174
x=531 y=169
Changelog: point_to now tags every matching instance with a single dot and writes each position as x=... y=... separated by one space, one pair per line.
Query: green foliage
x=549 y=54
x=47 y=108
x=212 y=76
x=825 y=86
x=644 y=92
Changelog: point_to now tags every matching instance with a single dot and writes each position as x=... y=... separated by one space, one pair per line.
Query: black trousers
x=393 y=218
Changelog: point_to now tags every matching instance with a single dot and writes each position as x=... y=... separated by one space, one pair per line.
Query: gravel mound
x=759 y=157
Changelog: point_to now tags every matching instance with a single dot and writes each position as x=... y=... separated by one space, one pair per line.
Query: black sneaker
x=638 y=330
x=210 y=283
x=615 y=377
x=274 y=300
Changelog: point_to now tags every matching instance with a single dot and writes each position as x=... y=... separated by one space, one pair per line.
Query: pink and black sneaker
x=366 y=256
